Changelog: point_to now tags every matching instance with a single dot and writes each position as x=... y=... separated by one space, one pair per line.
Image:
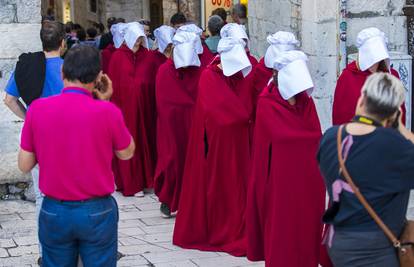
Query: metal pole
x=342 y=34
x=408 y=11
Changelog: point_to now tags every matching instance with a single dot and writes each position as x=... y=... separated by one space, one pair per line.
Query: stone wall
x=19 y=31
x=315 y=22
x=130 y=10
x=191 y=9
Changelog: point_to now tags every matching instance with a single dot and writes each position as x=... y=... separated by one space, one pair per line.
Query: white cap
x=234 y=30
x=372 y=48
x=134 y=31
x=118 y=32
x=196 y=30
x=185 y=53
x=164 y=36
x=293 y=74
x=233 y=56
x=279 y=42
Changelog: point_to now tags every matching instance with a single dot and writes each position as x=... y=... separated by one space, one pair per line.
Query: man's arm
x=15 y=106
x=126 y=153
x=26 y=161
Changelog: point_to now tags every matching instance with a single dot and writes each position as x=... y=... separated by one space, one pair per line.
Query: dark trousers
x=70 y=229
x=362 y=249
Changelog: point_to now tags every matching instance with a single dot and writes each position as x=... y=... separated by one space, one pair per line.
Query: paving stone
x=24 y=250
x=3 y=253
x=227 y=261
x=187 y=263
x=136 y=260
x=157 y=221
x=26 y=240
x=136 y=231
x=140 y=249
x=19 y=261
x=128 y=241
x=173 y=256
x=7 y=243
x=149 y=206
x=139 y=214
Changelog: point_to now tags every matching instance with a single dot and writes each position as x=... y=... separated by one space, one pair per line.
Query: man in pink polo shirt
x=73 y=137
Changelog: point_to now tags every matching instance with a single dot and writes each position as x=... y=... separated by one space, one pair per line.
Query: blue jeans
x=89 y=229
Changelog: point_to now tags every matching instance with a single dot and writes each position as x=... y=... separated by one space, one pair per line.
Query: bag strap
x=342 y=168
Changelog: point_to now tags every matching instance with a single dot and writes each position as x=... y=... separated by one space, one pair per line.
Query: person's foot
x=140 y=194
x=165 y=211
x=39 y=261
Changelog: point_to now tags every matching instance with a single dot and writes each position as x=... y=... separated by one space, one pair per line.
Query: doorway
x=156 y=14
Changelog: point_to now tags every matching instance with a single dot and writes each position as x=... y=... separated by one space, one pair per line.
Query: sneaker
x=165 y=211
x=140 y=194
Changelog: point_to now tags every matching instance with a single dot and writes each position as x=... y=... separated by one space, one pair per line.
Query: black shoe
x=119 y=255
x=39 y=261
x=165 y=211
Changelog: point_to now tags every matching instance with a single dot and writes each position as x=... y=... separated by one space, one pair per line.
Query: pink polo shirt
x=74 y=138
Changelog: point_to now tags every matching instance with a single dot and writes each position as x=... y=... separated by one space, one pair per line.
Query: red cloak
x=158 y=59
x=286 y=197
x=133 y=79
x=252 y=59
x=176 y=93
x=106 y=55
x=206 y=57
x=347 y=92
x=261 y=77
x=211 y=213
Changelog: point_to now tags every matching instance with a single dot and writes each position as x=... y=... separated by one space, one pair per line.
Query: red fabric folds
x=158 y=59
x=252 y=59
x=347 y=92
x=286 y=197
x=206 y=57
x=261 y=77
x=106 y=55
x=211 y=214
x=176 y=93
x=133 y=78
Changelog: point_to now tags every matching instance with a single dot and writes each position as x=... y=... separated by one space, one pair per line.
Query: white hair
x=384 y=94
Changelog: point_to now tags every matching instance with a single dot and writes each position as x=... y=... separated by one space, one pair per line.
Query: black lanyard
x=366 y=120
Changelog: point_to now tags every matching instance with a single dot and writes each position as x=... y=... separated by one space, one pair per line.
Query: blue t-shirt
x=382 y=166
x=53 y=81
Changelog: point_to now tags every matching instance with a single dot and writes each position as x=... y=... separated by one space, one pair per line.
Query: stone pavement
x=144 y=237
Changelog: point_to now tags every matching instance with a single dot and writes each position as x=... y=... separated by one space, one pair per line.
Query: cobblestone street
x=144 y=237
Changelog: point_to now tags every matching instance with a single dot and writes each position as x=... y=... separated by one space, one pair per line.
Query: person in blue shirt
x=52 y=36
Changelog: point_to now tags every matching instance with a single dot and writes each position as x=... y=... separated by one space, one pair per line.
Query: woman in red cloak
x=118 y=32
x=263 y=71
x=205 y=55
x=163 y=36
x=132 y=73
x=286 y=197
x=372 y=57
x=211 y=213
x=176 y=92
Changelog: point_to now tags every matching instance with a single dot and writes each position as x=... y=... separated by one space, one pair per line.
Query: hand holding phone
x=103 y=88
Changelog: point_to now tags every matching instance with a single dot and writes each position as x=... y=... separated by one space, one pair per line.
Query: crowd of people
x=232 y=146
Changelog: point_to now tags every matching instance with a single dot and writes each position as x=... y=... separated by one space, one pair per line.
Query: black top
x=382 y=166
x=30 y=76
x=106 y=39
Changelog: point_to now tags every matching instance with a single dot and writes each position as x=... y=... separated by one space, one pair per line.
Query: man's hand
x=103 y=89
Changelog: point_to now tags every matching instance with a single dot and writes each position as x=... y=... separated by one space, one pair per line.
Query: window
x=93 y=6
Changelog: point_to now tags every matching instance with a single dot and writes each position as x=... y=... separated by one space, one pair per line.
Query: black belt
x=80 y=201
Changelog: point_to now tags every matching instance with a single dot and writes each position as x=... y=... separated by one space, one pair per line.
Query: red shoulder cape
x=347 y=92
x=213 y=197
x=176 y=93
x=133 y=78
x=286 y=197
